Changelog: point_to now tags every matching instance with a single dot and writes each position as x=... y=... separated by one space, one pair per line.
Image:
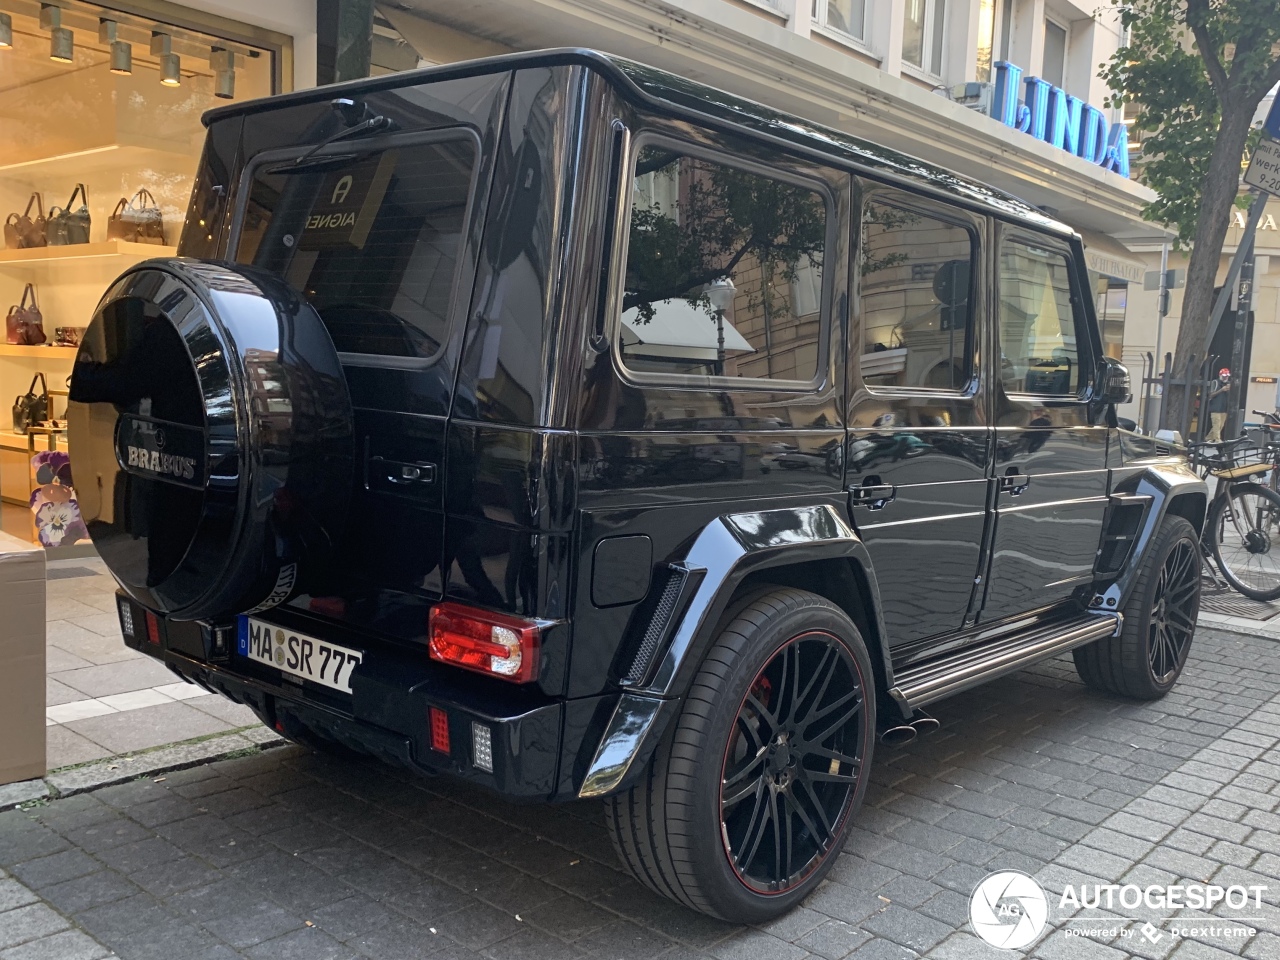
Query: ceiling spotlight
x=223 y=63
x=170 y=62
x=6 y=31
x=121 y=51
x=62 y=44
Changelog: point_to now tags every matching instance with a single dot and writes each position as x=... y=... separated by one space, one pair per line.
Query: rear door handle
x=1015 y=483
x=874 y=496
x=403 y=474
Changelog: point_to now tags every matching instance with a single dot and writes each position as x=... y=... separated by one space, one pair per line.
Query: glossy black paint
x=212 y=428
x=550 y=483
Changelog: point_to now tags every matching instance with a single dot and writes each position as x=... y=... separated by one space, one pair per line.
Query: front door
x=1049 y=485
x=917 y=452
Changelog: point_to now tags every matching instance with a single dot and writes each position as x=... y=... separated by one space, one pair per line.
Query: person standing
x=1218 y=401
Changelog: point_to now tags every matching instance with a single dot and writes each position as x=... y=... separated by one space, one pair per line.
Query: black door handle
x=1014 y=483
x=403 y=474
x=874 y=496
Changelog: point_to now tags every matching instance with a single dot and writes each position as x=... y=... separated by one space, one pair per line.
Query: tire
x=786 y=662
x=1146 y=659
x=1245 y=538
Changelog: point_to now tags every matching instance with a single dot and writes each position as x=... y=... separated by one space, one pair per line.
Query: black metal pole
x=1239 y=375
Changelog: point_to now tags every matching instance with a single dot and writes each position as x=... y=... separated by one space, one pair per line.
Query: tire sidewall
x=730 y=897
x=1139 y=619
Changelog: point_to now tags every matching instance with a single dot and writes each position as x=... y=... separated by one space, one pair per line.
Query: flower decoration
x=59 y=522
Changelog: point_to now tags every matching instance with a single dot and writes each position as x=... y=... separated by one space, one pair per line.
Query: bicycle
x=1269 y=431
x=1243 y=522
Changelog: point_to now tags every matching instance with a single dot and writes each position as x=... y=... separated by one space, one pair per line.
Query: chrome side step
x=934 y=679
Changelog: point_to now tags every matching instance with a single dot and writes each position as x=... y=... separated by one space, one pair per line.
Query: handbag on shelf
x=65 y=225
x=25 y=323
x=20 y=231
x=68 y=336
x=137 y=220
x=31 y=408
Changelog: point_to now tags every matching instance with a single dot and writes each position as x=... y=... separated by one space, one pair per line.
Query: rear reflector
x=153 y=628
x=126 y=618
x=491 y=643
x=439 y=729
x=482 y=746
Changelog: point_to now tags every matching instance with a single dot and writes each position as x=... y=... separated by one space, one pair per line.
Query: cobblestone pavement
x=290 y=854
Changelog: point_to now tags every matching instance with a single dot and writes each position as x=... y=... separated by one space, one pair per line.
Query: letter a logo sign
x=341 y=190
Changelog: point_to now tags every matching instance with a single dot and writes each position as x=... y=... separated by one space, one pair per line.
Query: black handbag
x=31 y=408
x=65 y=225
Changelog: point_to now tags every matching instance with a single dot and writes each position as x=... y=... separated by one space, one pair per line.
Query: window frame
x=356 y=150
x=1051 y=21
x=620 y=254
x=1087 y=351
x=936 y=210
x=925 y=67
x=819 y=19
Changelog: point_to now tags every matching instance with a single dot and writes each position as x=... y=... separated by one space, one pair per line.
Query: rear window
x=370 y=239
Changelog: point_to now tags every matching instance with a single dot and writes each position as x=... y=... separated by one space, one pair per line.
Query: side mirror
x=1113 y=382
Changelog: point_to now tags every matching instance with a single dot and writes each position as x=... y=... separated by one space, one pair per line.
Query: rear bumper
x=387 y=714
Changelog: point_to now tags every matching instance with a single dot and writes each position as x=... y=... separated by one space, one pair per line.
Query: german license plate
x=297 y=654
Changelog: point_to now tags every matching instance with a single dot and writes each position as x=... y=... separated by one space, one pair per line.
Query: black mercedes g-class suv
x=560 y=424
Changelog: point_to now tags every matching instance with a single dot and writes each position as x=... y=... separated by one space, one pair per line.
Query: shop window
x=914 y=293
x=923 y=26
x=846 y=16
x=1039 y=350
x=723 y=272
x=1055 y=54
x=375 y=249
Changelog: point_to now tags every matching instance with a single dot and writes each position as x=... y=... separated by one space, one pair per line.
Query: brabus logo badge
x=153 y=461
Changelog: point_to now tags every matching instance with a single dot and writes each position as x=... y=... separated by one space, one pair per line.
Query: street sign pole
x=1256 y=209
x=1244 y=311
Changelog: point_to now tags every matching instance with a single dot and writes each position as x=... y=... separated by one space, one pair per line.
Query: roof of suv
x=671 y=93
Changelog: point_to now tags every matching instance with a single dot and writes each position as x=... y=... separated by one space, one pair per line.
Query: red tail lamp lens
x=439 y=729
x=153 y=627
x=491 y=643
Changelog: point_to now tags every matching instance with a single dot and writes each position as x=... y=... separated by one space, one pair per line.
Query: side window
x=723 y=271
x=914 y=272
x=1038 y=349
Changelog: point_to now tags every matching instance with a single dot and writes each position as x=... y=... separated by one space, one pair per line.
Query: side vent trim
x=672 y=597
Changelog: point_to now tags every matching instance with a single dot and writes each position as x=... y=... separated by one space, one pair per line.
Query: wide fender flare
x=1164 y=484
x=723 y=554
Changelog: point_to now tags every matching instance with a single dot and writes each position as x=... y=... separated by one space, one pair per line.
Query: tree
x=1197 y=70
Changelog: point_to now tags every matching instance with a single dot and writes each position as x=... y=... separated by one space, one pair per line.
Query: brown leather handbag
x=20 y=231
x=65 y=225
x=24 y=323
x=137 y=220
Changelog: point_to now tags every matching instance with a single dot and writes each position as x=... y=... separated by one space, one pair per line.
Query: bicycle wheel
x=1244 y=532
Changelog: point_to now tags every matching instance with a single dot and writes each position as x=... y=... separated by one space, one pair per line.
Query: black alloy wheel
x=1173 y=616
x=792 y=763
x=748 y=799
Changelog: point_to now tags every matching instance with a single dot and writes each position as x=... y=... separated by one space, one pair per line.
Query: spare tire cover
x=210 y=435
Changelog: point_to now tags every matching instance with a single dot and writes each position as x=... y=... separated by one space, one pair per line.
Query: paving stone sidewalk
x=290 y=854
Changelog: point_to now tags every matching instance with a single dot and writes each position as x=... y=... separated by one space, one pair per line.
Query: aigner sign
x=1051 y=114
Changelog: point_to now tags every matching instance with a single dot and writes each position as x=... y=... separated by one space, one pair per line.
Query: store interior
x=92 y=96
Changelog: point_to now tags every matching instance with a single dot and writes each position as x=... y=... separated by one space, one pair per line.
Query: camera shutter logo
x=1008 y=909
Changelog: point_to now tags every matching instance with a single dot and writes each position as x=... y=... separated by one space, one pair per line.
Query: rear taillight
x=153 y=628
x=491 y=643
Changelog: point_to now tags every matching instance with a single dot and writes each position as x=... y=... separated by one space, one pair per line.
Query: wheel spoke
x=807 y=784
x=818 y=674
x=840 y=721
x=755 y=826
x=739 y=786
x=793 y=802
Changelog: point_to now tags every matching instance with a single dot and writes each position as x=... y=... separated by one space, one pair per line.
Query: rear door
x=380 y=234
x=1049 y=486
x=918 y=448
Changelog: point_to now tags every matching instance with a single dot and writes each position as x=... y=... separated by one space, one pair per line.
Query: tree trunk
x=1220 y=189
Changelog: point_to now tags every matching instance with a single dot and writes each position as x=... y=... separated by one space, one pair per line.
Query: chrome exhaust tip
x=897 y=736
x=925 y=724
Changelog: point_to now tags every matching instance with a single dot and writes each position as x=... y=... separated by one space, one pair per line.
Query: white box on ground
x=22 y=599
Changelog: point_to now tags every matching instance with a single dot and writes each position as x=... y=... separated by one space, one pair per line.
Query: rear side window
x=724 y=271
x=371 y=240
x=1039 y=347
x=914 y=272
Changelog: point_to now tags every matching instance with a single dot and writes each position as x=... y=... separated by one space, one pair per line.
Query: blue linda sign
x=1051 y=114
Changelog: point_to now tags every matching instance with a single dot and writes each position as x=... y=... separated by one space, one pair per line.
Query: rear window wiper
x=369 y=125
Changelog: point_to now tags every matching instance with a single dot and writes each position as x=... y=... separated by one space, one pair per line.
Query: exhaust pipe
x=897 y=736
x=924 y=723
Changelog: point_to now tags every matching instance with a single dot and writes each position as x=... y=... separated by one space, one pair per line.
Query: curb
x=113 y=770
x=1240 y=626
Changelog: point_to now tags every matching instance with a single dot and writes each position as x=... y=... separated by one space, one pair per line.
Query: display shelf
x=82 y=165
x=43 y=352
x=39 y=256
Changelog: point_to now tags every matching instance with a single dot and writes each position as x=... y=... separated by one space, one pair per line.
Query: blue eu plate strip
x=242 y=636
